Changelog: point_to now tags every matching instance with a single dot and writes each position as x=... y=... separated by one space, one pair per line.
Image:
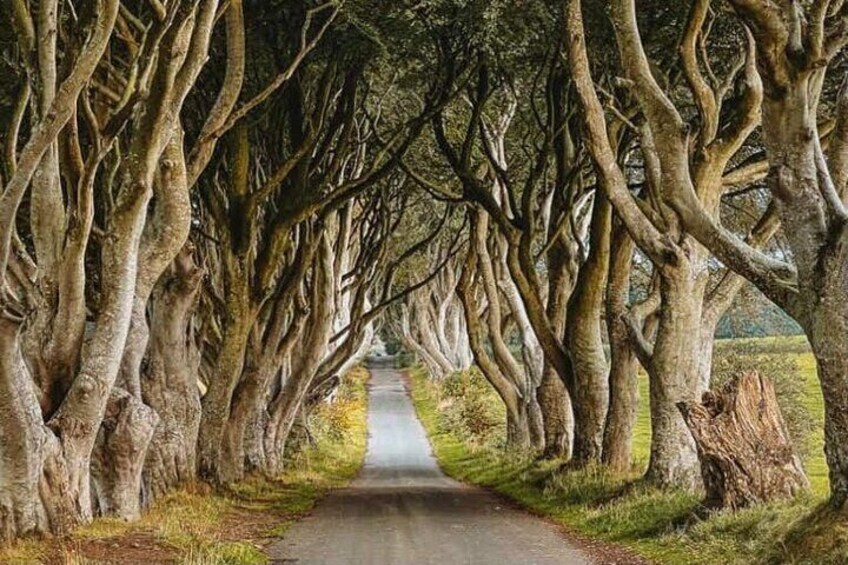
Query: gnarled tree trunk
x=169 y=381
x=745 y=451
x=35 y=496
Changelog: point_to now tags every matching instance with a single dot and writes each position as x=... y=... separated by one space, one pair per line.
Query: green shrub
x=470 y=407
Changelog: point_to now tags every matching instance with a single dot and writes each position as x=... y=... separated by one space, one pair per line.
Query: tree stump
x=746 y=454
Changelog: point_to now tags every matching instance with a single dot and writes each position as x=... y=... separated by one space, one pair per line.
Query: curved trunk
x=128 y=427
x=623 y=383
x=585 y=345
x=553 y=396
x=249 y=402
x=289 y=400
x=412 y=344
x=35 y=496
x=518 y=433
x=427 y=336
x=169 y=382
x=229 y=365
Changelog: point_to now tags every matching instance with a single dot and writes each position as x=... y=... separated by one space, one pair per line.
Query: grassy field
x=665 y=527
x=198 y=526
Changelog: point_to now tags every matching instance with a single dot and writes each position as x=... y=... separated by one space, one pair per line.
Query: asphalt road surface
x=403 y=510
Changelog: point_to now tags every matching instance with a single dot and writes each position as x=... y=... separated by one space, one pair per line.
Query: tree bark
x=553 y=396
x=240 y=316
x=673 y=372
x=623 y=383
x=118 y=456
x=585 y=345
x=35 y=496
x=169 y=383
x=746 y=453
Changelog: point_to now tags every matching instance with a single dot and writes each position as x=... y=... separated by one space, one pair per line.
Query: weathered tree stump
x=746 y=453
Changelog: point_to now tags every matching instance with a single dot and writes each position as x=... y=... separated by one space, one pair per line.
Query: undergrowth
x=662 y=526
x=199 y=526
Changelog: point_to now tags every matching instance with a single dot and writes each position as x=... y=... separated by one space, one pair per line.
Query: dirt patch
x=137 y=547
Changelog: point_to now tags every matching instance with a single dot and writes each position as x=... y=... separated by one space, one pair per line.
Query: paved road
x=404 y=510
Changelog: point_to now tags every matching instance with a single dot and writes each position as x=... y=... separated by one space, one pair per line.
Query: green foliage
x=404 y=359
x=338 y=422
x=470 y=408
x=335 y=442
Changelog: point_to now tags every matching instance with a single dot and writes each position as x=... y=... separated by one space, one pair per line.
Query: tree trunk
x=585 y=345
x=249 y=401
x=817 y=236
x=240 y=316
x=555 y=406
x=118 y=456
x=289 y=400
x=673 y=374
x=121 y=448
x=552 y=393
x=745 y=451
x=623 y=380
x=536 y=422
x=828 y=335
x=414 y=346
x=35 y=497
x=169 y=382
x=518 y=427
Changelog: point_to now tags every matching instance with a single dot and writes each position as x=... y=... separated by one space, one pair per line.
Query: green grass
x=665 y=527
x=199 y=526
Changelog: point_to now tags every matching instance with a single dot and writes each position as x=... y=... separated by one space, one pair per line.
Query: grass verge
x=199 y=526
x=664 y=527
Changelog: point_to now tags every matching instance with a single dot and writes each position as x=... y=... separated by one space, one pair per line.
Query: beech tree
x=796 y=46
x=796 y=96
x=100 y=289
x=677 y=359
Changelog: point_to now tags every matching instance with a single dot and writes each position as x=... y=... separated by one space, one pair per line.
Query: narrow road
x=404 y=510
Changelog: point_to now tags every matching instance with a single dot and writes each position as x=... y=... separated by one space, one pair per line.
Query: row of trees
x=202 y=219
x=208 y=208
x=627 y=167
